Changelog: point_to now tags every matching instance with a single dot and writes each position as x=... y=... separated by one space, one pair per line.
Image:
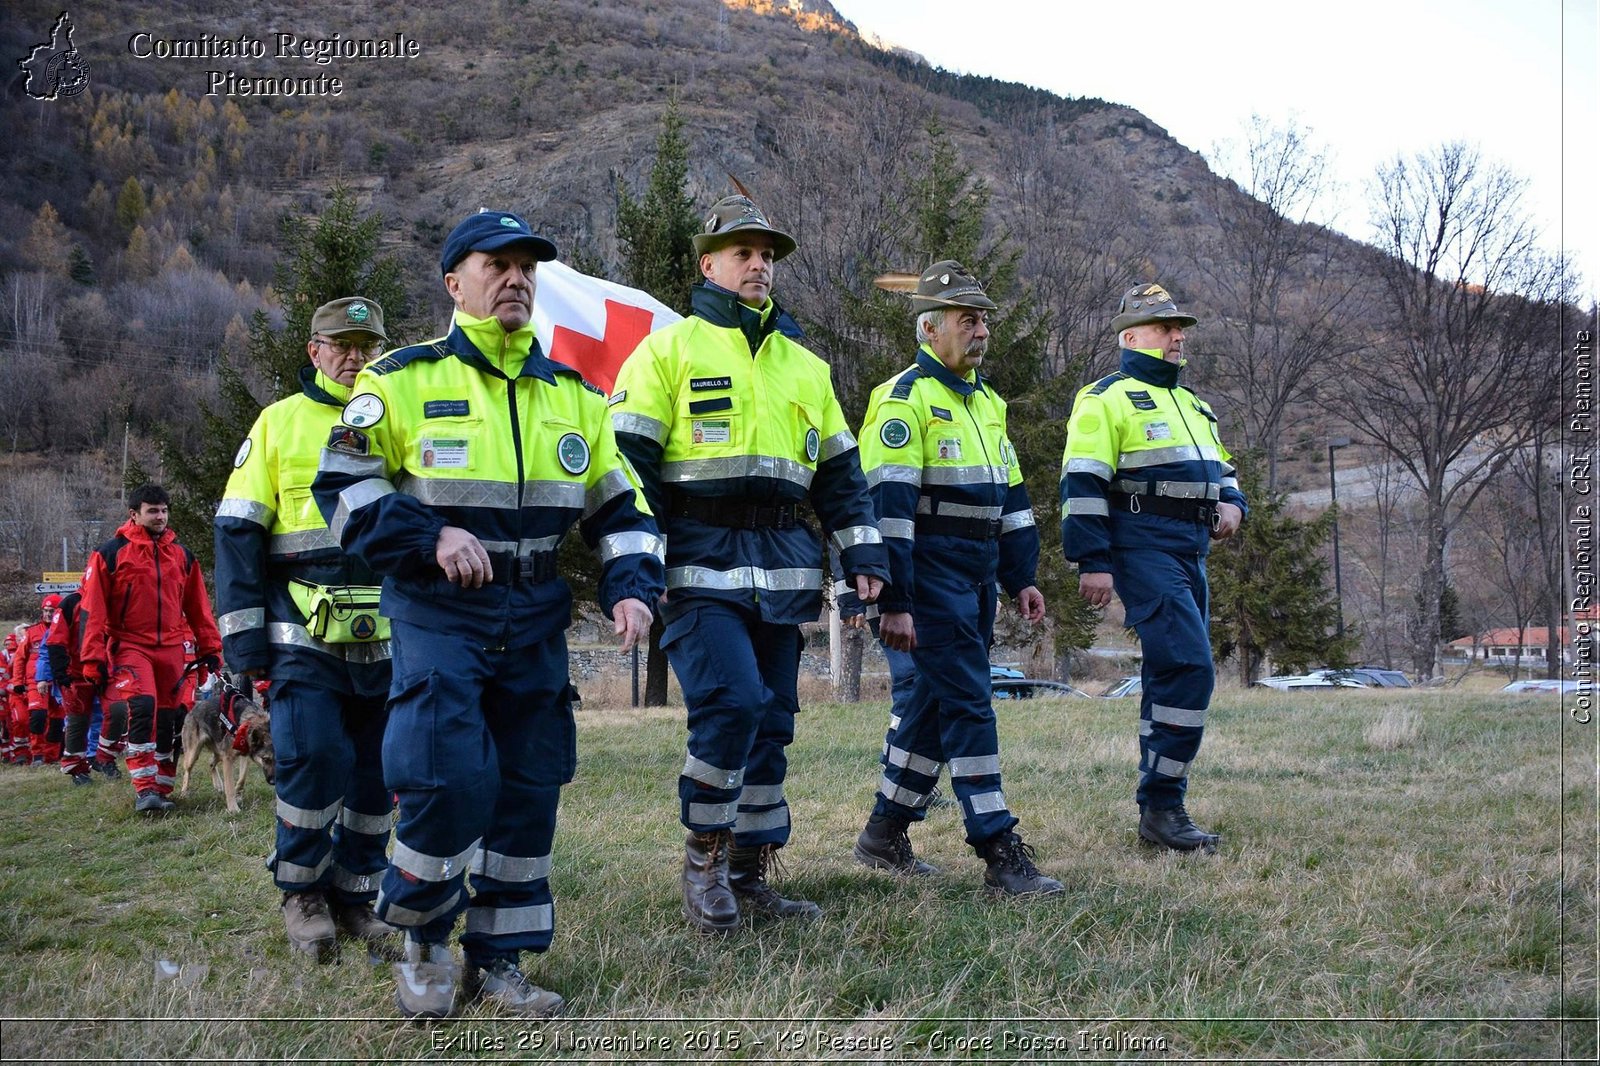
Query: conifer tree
x=334 y=257
x=1270 y=595
x=658 y=231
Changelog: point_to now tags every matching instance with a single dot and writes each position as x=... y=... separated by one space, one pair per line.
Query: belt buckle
x=992 y=528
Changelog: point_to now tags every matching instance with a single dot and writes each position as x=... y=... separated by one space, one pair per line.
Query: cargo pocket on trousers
x=409 y=760
x=553 y=758
x=1152 y=621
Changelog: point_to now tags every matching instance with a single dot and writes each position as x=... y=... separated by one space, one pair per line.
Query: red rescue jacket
x=145 y=591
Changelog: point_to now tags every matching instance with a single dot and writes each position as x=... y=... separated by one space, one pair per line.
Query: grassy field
x=1402 y=878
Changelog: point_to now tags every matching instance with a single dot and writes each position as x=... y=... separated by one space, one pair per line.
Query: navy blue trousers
x=739 y=677
x=948 y=718
x=333 y=811
x=478 y=745
x=1168 y=603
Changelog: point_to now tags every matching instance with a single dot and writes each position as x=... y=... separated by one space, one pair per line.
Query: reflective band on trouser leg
x=763 y=814
x=141 y=742
x=313 y=759
x=167 y=719
x=1167 y=595
x=529 y=713
x=361 y=834
x=712 y=650
x=913 y=761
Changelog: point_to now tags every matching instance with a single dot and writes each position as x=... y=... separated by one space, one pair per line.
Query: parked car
x=1009 y=683
x=1375 y=676
x=1123 y=687
x=1544 y=684
x=1320 y=679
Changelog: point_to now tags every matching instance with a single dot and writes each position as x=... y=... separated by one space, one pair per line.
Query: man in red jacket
x=13 y=705
x=144 y=594
x=63 y=656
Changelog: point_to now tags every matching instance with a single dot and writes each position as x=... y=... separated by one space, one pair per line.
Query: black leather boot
x=885 y=845
x=707 y=901
x=1173 y=829
x=747 y=876
x=1011 y=870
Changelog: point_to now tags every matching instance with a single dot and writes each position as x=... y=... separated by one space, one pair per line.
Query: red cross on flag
x=591 y=324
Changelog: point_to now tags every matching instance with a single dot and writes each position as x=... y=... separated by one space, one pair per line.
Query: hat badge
x=944 y=279
x=356 y=313
x=509 y=222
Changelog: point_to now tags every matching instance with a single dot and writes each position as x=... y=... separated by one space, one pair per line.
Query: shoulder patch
x=1105 y=383
x=397 y=359
x=364 y=410
x=347 y=440
x=895 y=433
x=570 y=371
x=907 y=381
x=617 y=398
x=242 y=454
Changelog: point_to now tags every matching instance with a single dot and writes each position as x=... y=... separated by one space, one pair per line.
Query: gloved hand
x=94 y=672
x=205 y=666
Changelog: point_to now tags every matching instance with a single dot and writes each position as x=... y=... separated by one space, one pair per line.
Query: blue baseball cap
x=488 y=231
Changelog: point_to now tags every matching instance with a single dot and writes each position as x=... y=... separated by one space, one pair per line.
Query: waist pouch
x=340 y=614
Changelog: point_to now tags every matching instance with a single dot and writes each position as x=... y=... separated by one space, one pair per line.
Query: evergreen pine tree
x=1270 y=595
x=337 y=256
x=80 y=268
x=658 y=234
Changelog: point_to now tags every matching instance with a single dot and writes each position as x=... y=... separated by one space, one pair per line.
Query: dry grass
x=1402 y=877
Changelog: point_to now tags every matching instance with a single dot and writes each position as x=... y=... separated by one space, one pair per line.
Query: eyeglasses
x=338 y=347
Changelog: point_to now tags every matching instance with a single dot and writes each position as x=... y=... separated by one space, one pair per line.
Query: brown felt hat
x=1148 y=303
x=353 y=314
x=733 y=217
x=947 y=284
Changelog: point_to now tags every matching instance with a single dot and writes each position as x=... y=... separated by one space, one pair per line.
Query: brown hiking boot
x=747 y=877
x=308 y=923
x=707 y=900
x=1011 y=870
x=356 y=920
x=885 y=844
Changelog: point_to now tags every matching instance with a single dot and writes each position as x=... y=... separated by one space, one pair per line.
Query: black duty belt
x=1201 y=511
x=734 y=513
x=950 y=526
x=531 y=569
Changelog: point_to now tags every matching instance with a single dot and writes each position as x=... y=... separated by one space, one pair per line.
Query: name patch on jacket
x=940 y=412
x=702 y=384
x=1141 y=400
x=1157 y=431
x=347 y=440
x=445 y=409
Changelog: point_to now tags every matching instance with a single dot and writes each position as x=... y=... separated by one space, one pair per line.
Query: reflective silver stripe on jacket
x=249 y=510
x=294 y=635
x=900 y=528
x=733 y=466
x=966 y=475
x=837 y=444
x=796 y=579
x=304 y=541
x=958 y=510
x=432 y=867
x=615 y=545
x=510 y=868
x=1016 y=520
x=612 y=483
x=1082 y=505
x=639 y=425
x=1180 y=453
x=712 y=776
x=905 y=475
x=851 y=536
x=354 y=498
x=241 y=620
x=539 y=918
x=1103 y=471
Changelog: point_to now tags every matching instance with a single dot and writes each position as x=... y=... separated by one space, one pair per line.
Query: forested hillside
x=141 y=221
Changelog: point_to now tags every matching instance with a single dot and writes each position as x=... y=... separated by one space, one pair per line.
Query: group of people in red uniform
x=123 y=655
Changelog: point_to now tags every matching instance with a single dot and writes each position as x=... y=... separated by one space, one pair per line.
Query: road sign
x=44 y=588
x=72 y=576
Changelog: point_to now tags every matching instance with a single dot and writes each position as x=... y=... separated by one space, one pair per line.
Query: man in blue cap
x=460 y=465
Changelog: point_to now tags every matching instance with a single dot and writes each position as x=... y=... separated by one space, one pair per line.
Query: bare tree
x=1465 y=364
x=1284 y=305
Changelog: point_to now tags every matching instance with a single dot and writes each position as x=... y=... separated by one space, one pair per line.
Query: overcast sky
x=1519 y=79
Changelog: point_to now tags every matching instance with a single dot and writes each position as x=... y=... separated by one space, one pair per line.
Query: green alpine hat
x=353 y=314
x=1148 y=303
x=734 y=216
x=947 y=284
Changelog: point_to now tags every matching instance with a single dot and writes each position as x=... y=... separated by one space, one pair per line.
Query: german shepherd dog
x=236 y=731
